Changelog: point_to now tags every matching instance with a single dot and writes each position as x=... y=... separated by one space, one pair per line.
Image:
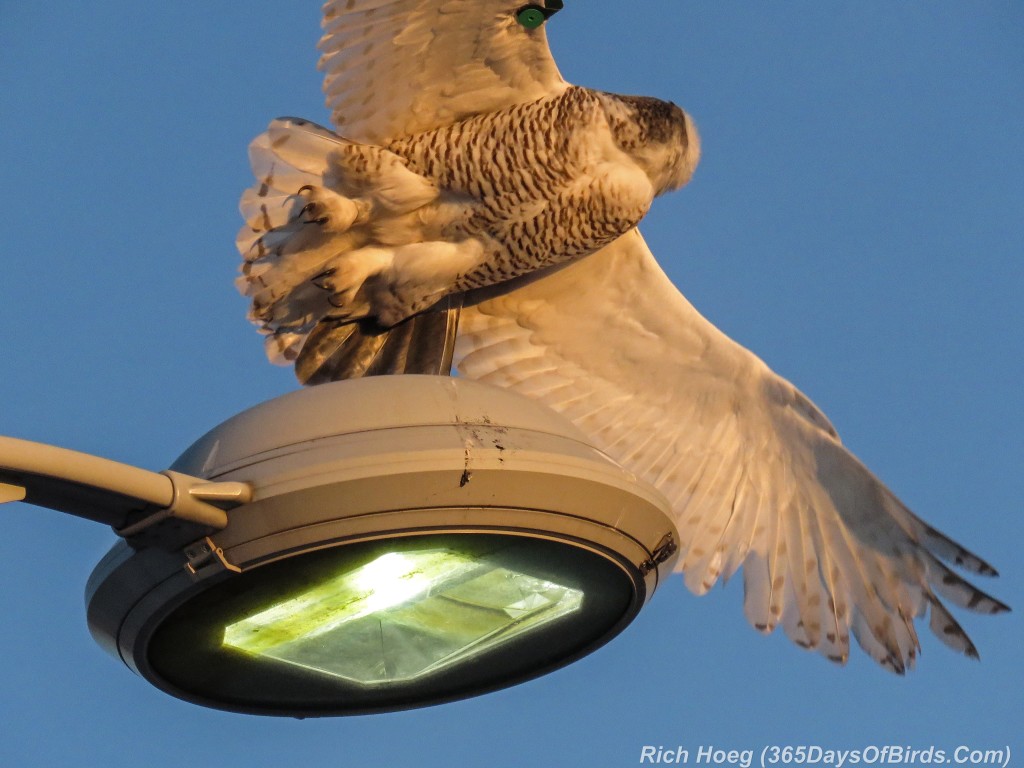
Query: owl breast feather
x=541 y=183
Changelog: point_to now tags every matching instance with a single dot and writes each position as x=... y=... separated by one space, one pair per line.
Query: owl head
x=658 y=135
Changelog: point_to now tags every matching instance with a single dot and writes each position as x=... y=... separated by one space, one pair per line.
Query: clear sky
x=857 y=220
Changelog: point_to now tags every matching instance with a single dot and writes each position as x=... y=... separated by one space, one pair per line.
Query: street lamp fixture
x=361 y=546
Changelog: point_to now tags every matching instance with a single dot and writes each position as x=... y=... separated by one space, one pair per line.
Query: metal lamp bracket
x=196 y=509
x=167 y=510
x=204 y=558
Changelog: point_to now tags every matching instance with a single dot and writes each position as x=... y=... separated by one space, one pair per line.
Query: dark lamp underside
x=392 y=624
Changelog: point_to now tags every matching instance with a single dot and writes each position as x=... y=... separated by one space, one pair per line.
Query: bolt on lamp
x=361 y=546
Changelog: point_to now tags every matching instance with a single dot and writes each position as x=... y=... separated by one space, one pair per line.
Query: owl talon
x=328 y=209
x=308 y=214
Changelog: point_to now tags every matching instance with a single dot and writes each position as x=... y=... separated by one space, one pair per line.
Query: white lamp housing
x=409 y=540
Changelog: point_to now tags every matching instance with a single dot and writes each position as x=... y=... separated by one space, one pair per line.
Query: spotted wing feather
x=398 y=67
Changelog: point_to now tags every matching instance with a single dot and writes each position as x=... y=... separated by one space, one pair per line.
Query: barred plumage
x=490 y=198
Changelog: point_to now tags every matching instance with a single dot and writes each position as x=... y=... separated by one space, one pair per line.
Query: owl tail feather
x=425 y=343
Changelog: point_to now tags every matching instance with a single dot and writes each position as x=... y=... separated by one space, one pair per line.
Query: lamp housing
x=408 y=540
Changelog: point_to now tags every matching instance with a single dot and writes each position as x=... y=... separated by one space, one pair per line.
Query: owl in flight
x=474 y=208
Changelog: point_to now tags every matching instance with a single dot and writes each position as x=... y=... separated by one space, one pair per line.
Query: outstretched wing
x=395 y=67
x=755 y=473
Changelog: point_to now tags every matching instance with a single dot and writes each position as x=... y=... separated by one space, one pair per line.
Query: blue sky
x=857 y=220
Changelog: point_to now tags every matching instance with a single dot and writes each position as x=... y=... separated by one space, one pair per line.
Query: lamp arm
x=166 y=509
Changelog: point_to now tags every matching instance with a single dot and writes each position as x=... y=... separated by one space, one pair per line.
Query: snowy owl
x=474 y=207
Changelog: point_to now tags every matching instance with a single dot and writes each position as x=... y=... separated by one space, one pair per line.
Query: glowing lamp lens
x=389 y=624
x=403 y=616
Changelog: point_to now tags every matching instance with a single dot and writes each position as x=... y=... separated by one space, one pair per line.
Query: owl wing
x=395 y=67
x=755 y=473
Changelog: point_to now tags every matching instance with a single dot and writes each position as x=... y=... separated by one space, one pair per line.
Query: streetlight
x=361 y=546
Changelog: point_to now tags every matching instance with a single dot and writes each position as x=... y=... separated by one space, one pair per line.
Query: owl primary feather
x=472 y=206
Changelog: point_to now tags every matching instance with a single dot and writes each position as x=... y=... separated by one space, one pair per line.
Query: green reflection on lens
x=403 y=616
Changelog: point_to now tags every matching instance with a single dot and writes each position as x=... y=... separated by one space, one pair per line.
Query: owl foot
x=330 y=210
x=391 y=284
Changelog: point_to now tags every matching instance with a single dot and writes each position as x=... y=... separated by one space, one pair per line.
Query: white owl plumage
x=755 y=473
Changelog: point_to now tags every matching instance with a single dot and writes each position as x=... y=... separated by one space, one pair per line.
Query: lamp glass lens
x=402 y=616
x=390 y=624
